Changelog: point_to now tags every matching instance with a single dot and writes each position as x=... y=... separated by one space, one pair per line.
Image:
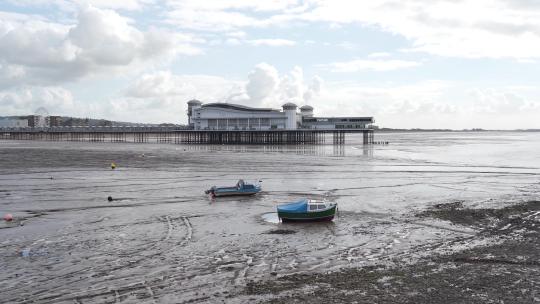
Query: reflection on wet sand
x=307 y=149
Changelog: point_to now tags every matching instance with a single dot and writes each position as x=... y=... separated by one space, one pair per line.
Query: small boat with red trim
x=307 y=210
x=241 y=188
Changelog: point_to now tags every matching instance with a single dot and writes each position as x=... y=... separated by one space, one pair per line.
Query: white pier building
x=226 y=116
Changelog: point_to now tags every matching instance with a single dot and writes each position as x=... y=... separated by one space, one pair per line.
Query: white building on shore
x=226 y=116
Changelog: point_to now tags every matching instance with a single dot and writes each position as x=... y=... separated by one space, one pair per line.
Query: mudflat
x=422 y=220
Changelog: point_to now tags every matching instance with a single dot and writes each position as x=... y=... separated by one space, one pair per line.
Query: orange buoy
x=8 y=217
x=113 y=166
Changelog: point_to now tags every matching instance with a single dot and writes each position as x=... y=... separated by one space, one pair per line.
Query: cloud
x=314 y=89
x=377 y=65
x=271 y=42
x=11 y=75
x=73 y=5
x=379 y=55
x=238 y=38
x=366 y=99
x=165 y=94
x=262 y=83
x=209 y=20
x=218 y=15
x=503 y=102
x=164 y=84
x=503 y=29
x=470 y=29
x=259 y=6
x=446 y=28
x=132 y=5
x=266 y=87
x=159 y=84
x=21 y=101
x=162 y=96
x=431 y=104
x=101 y=41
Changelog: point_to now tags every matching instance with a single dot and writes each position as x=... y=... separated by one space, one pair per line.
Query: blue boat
x=241 y=188
x=307 y=210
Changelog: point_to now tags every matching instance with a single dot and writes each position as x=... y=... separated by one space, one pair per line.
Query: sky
x=455 y=64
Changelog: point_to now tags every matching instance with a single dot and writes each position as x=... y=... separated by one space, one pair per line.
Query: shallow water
x=162 y=240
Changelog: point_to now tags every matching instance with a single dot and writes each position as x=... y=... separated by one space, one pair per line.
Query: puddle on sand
x=271 y=217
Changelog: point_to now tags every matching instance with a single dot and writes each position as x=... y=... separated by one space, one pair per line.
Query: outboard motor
x=210 y=191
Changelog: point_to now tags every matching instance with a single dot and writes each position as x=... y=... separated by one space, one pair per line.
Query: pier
x=180 y=136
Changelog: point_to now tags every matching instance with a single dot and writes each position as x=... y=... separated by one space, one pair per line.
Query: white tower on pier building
x=290 y=112
x=192 y=105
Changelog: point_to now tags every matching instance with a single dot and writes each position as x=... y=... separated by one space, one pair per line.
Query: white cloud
x=431 y=104
x=262 y=83
x=161 y=96
x=237 y=34
x=314 y=89
x=497 y=101
x=471 y=29
x=24 y=100
x=151 y=93
x=447 y=28
x=164 y=84
x=218 y=15
x=292 y=86
x=371 y=65
x=271 y=42
x=159 y=84
x=379 y=55
x=11 y=75
x=101 y=41
x=118 y=4
x=215 y=5
x=266 y=87
x=210 y=20
x=73 y=5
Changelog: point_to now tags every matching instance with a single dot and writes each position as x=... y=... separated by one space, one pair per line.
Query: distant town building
x=225 y=116
x=76 y=122
x=54 y=121
x=13 y=123
x=37 y=121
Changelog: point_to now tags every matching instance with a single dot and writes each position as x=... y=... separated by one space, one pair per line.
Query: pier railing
x=175 y=135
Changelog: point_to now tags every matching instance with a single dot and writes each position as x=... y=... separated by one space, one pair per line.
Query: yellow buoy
x=113 y=166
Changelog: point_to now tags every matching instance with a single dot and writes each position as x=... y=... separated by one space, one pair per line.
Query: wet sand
x=499 y=263
x=399 y=236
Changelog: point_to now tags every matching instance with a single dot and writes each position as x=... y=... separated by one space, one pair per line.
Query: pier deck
x=168 y=135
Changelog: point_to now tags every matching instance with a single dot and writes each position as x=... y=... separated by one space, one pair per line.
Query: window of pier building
x=243 y=123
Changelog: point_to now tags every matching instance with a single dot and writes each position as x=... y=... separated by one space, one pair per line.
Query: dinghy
x=241 y=188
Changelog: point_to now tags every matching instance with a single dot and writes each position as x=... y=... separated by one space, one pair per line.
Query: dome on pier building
x=306 y=111
x=289 y=106
x=194 y=102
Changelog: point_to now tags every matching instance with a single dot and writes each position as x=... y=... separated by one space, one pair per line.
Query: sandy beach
x=429 y=218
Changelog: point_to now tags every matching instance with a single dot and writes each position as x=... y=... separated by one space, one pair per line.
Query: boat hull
x=229 y=193
x=326 y=215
